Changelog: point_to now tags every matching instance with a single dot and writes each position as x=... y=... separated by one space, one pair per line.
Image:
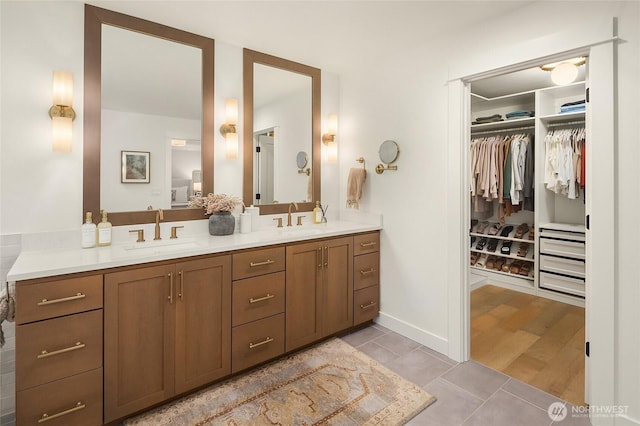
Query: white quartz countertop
x=51 y=262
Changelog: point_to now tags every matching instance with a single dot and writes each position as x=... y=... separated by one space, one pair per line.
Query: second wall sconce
x=329 y=138
x=228 y=129
x=62 y=113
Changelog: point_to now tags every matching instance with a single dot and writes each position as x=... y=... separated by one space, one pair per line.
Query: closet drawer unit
x=560 y=265
x=258 y=262
x=257 y=297
x=50 y=299
x=76 y=400
x=366 y=270
x=256 y=342
x=60 y=347
x=366 y=304
x=366 y=243
x=563 y=284
x=573 y=249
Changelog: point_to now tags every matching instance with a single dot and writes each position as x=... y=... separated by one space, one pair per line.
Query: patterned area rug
x=332 y=384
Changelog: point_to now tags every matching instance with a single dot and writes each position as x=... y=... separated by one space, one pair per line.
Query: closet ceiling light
x=566 y=71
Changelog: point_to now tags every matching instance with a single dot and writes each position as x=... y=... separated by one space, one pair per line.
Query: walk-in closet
x=527 y=251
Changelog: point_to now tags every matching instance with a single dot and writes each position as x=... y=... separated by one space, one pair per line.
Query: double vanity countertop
x=49 y=262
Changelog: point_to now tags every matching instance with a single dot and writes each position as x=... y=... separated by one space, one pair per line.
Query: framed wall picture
x=135 y=167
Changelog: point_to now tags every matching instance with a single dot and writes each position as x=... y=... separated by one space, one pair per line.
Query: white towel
x=356 y=179
x=7 y=308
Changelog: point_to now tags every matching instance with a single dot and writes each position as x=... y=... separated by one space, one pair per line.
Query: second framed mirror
x=281 y=112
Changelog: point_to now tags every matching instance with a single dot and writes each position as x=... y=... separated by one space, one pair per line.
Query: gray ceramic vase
x=222 y=223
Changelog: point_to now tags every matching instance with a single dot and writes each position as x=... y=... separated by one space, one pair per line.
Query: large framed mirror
x=281 y=113
x=148 y=118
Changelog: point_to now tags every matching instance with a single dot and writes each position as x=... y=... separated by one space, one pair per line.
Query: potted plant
x=219 y=206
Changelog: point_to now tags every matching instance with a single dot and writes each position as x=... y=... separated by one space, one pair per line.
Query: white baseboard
x=430 y=340
x=626 y=421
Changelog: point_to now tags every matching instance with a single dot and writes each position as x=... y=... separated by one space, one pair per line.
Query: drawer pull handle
x=370 y=305
x=370 y=271
x=45 y=417
x=260 y=299
x=264 y=342
x=266 y=262
x=64 y=299
x=369 y=244
x=45 y=353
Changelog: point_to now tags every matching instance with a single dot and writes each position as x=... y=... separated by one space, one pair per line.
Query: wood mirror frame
x=94 y=17
x=251 y=57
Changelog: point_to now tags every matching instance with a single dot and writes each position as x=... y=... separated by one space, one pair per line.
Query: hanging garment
x=561 y=151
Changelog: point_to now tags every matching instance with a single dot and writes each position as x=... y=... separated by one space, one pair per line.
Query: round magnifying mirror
x=388 y=152
x=302 y=159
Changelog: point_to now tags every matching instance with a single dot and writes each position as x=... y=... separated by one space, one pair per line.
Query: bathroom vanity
x=104 y=333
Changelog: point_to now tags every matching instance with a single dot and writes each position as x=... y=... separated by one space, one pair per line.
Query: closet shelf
x=498 y=237
x=562 y=118
x=509 y=274
x=503 y=125
x=513 y=255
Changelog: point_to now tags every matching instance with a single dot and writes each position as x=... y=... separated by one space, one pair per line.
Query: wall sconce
x=62 y=113
x=564 y=72
x=196 y=178
x=329 y=138
x=228 y=129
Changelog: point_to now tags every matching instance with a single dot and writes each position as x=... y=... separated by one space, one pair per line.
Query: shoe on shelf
x=499 y=263
x=522 y=229
x=474 y=258
x=493 y=245
x=481 y=227
x=491 y=262
x=494 y=228
x=506 y=231
x=506 y=247
x=523 y=249
x=481 y=261
x=481 y=243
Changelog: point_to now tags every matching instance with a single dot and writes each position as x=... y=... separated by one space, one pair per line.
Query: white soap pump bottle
x=88 y=232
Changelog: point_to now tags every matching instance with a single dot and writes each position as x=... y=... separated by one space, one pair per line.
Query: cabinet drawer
x=76 y=400
x=258 y=297
x=572 y=249
x=56 y=298
x=257 y=342
x=562 y=266
x=366 y=243
x=53 y=349
x=366 y=304
x=366 y=270
x=560 y=283
x=258 y=262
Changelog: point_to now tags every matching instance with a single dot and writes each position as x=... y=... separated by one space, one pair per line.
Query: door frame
x=601 y=283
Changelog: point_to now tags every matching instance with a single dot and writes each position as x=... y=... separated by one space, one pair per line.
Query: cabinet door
x=337 y=301
x=203 y=321
x=139 y=329
x=303 y=294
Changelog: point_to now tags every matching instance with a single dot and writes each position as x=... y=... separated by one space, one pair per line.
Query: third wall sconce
x=228 y=129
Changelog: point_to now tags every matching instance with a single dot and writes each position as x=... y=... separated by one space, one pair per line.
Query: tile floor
x=467 y=393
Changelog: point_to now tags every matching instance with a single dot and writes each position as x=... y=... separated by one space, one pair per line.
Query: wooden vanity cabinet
x=319 y=290
x=167 y=330
x=59 y=351
x=366 y=277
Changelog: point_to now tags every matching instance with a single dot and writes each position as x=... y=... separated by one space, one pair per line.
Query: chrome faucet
x=289 y=215
x=159 y=217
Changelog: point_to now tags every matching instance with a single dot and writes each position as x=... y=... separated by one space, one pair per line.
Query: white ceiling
x=331 y=35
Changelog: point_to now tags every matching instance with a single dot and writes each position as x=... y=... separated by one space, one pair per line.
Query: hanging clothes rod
x=567 y=123
x=497 y=131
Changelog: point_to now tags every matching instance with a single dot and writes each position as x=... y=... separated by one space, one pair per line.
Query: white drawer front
x=571 y=267
x=572 y=249
x=560 y=283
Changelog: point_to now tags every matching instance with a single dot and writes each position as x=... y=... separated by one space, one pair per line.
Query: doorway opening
x=527 y=245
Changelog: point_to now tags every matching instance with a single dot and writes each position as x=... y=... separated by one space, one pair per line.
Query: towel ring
x=364 y=164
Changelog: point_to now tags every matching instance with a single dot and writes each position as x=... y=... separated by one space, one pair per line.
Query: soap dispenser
x=104 y=231
x=317 y=213
x=88 y=232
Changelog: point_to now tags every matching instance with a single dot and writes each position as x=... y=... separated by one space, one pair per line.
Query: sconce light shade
x=62 y=134
x=197 y=186
x=232 y=145
x=62 y=88
x=231 y=110
x=564 y=73
x=332 y=152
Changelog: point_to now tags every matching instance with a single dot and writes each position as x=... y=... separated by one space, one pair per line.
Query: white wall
x=411 y=108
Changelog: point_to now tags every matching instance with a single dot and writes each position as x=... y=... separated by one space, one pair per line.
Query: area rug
x=329 y=384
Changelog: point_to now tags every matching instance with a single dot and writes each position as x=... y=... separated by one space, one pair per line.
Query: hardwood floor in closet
x=536 y=340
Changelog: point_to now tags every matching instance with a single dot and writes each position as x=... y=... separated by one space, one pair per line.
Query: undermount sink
x=159 y=247
x=302 y=230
